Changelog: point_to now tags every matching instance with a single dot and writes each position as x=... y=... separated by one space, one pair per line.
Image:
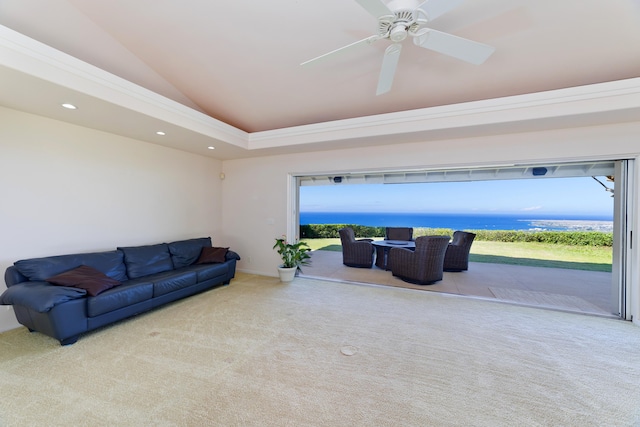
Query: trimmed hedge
x=570 y=238
x=330 y=231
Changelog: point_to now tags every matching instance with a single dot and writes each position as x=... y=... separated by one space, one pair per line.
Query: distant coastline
x=572 y=225
x=463 y=221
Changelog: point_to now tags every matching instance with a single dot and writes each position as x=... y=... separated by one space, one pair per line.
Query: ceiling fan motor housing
x=397 y=26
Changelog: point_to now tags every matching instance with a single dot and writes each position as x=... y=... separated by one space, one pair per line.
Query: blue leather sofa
x=132 y=280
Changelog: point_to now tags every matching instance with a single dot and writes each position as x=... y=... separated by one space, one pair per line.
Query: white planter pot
x=287 y=274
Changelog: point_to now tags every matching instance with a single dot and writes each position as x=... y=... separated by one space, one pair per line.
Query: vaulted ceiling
x=239 y=61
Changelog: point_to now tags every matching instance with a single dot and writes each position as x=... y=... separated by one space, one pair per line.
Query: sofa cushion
x=129 y=293
x=210 y=271
x=186 y=252
x=39 y=269
x=169 y=281
x=39 y=296
x=84 y=277
x=212 y=255
x=145 y=260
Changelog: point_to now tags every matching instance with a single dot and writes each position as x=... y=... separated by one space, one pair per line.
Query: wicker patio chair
x=355 y=253
x=457 y=256
x=398 y=233
x=423 y=266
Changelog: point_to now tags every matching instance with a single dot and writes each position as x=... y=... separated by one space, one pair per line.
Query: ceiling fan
x=399 y=19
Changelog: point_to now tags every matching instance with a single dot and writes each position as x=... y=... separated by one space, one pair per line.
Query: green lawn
x=530 y=254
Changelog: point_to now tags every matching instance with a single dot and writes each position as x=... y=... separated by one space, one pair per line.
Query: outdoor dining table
x=384 y=246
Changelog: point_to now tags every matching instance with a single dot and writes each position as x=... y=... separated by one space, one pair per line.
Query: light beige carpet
x=317 y=353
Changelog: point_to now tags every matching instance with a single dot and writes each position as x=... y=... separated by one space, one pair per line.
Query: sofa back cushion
x=186 y=252
x=110 y=263
x=145 y=260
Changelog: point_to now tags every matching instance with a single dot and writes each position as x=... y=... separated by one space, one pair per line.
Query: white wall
x=66 y=189
x=255 y=190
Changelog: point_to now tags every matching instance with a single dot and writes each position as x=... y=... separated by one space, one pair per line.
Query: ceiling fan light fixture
x=398 y=33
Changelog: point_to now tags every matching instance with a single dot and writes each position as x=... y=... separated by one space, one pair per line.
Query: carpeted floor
x=319 y=353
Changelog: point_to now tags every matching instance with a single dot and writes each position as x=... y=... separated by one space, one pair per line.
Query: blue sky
x=535 y=196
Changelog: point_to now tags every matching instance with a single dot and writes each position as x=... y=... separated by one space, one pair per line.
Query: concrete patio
x=555 y=288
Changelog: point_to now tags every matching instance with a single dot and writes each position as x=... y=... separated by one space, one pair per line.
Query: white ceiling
x=238 y=61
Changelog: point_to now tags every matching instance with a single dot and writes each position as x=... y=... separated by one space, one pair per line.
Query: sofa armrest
x=39 y=296
x=12 y=276
x=231 y=255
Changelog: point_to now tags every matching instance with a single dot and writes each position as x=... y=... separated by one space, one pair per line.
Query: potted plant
x=293 y=255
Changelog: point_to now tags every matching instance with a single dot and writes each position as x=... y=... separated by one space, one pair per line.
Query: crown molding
x=608 y=102
x=36 y=59
x=621 y=97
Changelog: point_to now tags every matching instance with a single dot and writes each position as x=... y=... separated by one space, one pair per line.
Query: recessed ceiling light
x=69 y=106
x=211 y=148
x=160 y=133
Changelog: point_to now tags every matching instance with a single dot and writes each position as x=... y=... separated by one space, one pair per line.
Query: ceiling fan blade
x=368 y=40
x=435 y=8
x=388 y=70
x=458 y=47
x=375 y=7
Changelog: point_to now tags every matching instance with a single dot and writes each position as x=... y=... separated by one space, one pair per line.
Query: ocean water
x=462 y=221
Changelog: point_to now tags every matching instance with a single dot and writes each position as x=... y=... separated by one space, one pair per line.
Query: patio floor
x=555 y=288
